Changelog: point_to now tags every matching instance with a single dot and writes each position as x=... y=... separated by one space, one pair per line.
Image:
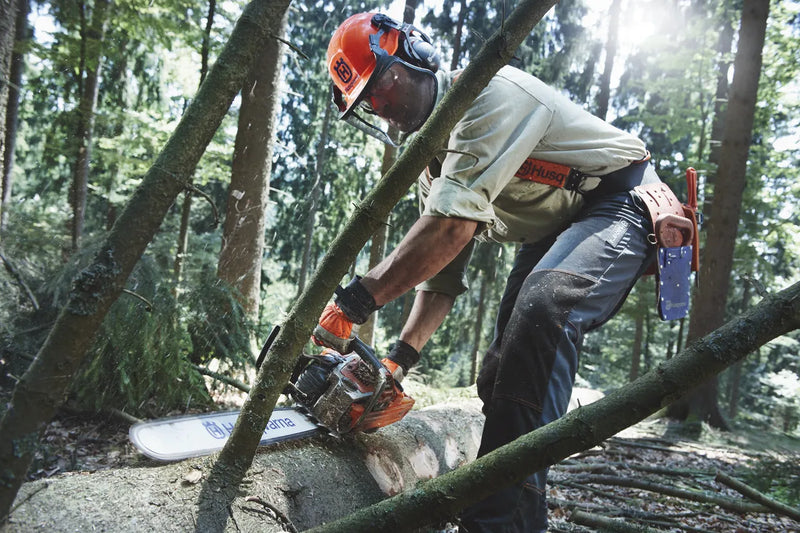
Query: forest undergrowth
x=648 y=476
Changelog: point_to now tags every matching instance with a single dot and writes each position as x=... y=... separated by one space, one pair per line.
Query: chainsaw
x=334 y=393
x=349 y=393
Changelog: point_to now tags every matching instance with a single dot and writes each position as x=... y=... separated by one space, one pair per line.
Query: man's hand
x=353 y=305
x=400 y=360
x=334 y=330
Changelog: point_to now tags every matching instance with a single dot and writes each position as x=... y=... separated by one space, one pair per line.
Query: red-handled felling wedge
x=690 y=212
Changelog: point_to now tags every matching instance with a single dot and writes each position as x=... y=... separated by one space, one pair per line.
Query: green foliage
x=139 y=364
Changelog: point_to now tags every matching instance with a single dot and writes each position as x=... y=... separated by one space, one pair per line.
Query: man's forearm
x=431 y=243
x=427 y=314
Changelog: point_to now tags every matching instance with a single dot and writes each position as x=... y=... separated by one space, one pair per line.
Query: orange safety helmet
x=364 y=47
x=351 y=60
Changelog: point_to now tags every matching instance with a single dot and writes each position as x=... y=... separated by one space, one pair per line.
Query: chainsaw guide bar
x=182 y=437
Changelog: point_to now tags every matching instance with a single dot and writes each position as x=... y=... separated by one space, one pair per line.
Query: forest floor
x=647 y=475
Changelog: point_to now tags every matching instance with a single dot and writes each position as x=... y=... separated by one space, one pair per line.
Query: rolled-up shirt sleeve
x=485 y=150
x=452 y=279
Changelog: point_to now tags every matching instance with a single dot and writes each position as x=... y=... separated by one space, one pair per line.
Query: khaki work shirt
x=515 y=117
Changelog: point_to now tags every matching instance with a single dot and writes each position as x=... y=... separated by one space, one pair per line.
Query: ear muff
x=419 y=47
x=415 y=44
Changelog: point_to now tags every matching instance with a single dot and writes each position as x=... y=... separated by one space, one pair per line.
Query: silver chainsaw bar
x=182 y=437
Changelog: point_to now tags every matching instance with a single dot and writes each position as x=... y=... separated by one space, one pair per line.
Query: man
x=526 y=165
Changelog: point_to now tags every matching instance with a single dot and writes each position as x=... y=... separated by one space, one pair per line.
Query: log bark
x=42 y=388
x=443 y=497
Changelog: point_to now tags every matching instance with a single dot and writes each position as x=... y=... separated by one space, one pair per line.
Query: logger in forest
x=526 y=165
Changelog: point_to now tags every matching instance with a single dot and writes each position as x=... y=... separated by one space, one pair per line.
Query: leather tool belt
x=675 y=234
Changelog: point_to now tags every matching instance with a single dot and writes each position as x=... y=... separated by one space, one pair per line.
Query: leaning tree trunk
x=442 y=498
x=246 y=211
x=715 y=272
x=42 y=388
x=237 y=455
x=91 y=58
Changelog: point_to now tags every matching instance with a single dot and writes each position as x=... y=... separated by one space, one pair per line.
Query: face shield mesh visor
x=401 y=94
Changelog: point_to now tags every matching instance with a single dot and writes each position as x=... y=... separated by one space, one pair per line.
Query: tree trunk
x=237 y=455
x=8 y=19
x=442 y=498
x=377 y=248
x=720 y=105
x=246 y=212
x=458 y=35
x=715 y=271
x=9 y=135
x=485 y=260
x=313 y=200
x=735 y=377
x=604 y=94
x=92 y=40
x=42 y=388
x=186 y=208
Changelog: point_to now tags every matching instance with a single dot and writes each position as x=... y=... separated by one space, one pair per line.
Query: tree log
x=291 y=485
x=757 y=496
x=608 y=524
x=691 y=495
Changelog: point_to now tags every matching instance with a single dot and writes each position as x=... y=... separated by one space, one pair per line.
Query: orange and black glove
x=401 y=358
x=353 y=305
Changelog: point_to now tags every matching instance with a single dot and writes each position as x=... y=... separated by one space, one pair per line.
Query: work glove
x=401 y=358
x=352 y=305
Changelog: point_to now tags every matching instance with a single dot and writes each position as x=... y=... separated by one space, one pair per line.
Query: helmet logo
x=343 y=70
x=347 y=76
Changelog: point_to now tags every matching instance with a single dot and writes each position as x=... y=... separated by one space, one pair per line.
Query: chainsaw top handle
x=367 y=353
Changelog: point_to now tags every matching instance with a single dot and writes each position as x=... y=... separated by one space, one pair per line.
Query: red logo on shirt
x=544 y=172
